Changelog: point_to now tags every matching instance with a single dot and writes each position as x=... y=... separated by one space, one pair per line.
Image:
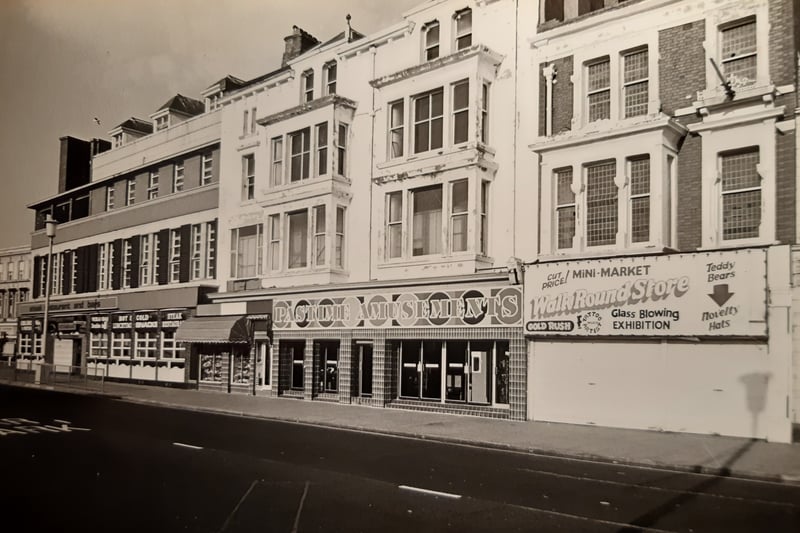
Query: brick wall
x=689 y=200
x=782 y=53
x=682 y=65
x=785 y=187
x=562 y=96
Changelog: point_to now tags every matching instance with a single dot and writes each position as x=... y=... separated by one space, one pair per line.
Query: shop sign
x=98 y=323
x=146 y=319
x=121 y=322
x=172 y=319
x=484 y=307
x=84 y=304
x=30 y=325
x=698 y=294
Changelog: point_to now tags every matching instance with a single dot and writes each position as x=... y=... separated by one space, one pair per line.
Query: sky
x=65 y=62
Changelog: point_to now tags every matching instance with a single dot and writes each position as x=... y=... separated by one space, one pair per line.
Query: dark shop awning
x=214 y=330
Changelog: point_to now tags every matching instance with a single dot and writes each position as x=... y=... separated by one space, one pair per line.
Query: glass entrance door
x=410 y=368
x=480 y=364
x=364 y=369
x=457 y=371
x=432 y=370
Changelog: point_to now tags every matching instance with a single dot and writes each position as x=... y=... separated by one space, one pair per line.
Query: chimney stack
x=297 y=43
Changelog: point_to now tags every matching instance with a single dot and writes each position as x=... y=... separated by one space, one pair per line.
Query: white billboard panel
x=697 y=294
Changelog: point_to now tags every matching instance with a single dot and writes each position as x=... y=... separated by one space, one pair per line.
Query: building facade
x=562 y=210
x=135 y=250
x=15 y=288
x=664 y=127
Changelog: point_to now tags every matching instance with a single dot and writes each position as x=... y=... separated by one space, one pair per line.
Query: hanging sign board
x=697 y=294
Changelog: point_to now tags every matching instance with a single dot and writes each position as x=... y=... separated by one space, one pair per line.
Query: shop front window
x=98 y=344
x=241 y=367
x=474 y=372
x=363 y=351
x=211 y=365
x=121 y=344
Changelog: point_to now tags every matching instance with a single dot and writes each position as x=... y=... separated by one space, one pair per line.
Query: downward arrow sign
x=721 y=294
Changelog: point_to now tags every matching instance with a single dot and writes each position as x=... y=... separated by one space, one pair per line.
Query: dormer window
x=162 y=122
x=330 y=78
x=463 y=20
x=430 y=34
x=117 y=138
x=308 y=86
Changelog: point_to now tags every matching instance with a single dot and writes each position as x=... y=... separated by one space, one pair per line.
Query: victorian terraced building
x=560 y=210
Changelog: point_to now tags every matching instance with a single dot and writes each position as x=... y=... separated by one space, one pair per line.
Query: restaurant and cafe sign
x=695 y=294
x=172 y=319
x=146 y=320
x=98 y=323
x=479 y=307
x=76 y=305
x=30 y=325
x=121 y=321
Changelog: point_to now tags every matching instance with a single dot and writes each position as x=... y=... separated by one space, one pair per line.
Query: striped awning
x=214 y=330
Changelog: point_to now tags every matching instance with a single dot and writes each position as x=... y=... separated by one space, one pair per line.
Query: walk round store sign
x=483 y=307
x=699 y=294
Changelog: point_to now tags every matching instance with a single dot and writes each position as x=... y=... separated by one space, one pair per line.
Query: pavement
x=707 y=454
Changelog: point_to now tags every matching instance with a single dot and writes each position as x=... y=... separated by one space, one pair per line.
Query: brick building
x=135 y=250
x=15 y=288
x=664 y=127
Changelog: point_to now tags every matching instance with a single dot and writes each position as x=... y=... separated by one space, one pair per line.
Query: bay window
x=319 y=235
x=601 y=204
x=341 y=150
x=275 y=242
x=639 y=173
x=565 y=208
x=428 y=121
x=483 y=246
x=338 y=260
x=300 y=146
x=246 y=251
x=426 y=223
x=458 y=215
x=460 y=112
x=322 y=148
x=298 y=239
x=394 y=225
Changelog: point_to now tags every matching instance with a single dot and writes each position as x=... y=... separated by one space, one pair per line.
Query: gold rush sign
x=485 y=307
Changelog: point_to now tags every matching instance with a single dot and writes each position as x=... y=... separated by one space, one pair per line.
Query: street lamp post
x=50 y=227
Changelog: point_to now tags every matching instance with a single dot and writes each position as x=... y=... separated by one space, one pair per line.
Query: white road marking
x=300 y=508
x=430 y=492
x=190 y=446
x=244 y=497
x=62 y=421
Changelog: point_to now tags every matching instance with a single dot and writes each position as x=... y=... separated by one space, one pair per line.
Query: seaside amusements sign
x=697 y=294
x=480 y=307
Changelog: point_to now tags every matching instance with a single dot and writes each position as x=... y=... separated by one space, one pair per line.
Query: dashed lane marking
x=190 y=446
x=430 y=492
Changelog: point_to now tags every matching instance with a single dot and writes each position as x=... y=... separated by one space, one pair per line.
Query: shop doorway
x=421 y=363
x=293 y=353
x=327 y=357
x=363 y=352
x=263 y=367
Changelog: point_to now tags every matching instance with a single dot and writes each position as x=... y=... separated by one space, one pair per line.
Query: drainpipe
x=374 y=51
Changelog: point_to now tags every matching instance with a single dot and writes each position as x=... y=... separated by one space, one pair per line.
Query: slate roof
x=137 y=124
x=184 y=104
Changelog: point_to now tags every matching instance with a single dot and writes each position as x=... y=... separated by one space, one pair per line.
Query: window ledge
x=477 y=50
x=743 y=243
x=602 y=254
x=434 y=259
x=710 y=99
x=610 y=129
x=463 y=155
